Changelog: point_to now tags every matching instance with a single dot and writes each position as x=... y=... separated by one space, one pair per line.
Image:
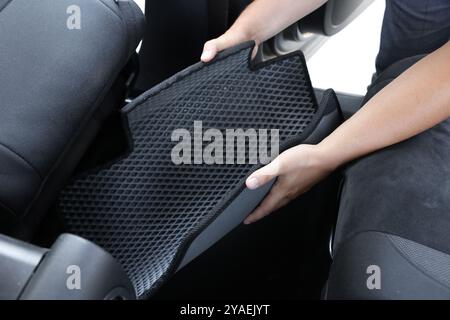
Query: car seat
x=60 y=63
x=152 y=215
x=392 y=239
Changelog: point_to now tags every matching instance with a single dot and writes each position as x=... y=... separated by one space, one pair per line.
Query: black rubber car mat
x=148 y=212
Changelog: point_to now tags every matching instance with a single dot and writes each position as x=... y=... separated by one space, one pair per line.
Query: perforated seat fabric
x=58 y=60
x=155 y=216
x=405 y=269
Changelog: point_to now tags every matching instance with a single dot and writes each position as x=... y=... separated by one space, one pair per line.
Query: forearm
x=264 y=18
x=414 y=102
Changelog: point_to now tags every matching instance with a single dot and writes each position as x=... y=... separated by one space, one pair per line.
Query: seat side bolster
x=18 y=178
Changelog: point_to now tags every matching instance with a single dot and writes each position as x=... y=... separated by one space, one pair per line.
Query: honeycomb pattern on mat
x=142 y=208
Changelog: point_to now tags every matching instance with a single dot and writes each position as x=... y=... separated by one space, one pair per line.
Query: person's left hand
x=297 y=170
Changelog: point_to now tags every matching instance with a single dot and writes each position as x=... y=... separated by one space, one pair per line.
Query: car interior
x=85 y=180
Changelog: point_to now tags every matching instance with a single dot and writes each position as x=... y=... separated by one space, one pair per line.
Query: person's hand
x=225 y=41
x=260 y=21
x=212 y=47
x=297 y=170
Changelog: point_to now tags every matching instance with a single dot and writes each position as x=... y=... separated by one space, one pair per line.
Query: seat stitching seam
x=344 y=242
x=6 y=4
x=110 y=9
x=28 y=163
x=8 y=209
x=413 y=264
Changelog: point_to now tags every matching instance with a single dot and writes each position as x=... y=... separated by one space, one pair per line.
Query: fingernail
x=252 y=183
x=247 y=221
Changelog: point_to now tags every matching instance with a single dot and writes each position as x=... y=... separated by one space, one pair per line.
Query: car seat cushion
x=156 y=216
x=379 y=266
x=391 y=239
x=403 y=189
x=53 y=79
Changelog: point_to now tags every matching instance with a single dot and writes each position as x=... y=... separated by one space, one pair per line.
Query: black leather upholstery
x=52 y=82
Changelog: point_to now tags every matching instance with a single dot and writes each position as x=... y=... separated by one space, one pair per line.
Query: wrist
x=325 y=157
x=238 y=34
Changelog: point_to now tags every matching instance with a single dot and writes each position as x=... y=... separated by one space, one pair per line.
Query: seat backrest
x=58 y=60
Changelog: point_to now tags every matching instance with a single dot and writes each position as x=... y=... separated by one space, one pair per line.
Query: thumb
x=209 y=50
x=265 y=174
x=212 y=47
x=255 y=51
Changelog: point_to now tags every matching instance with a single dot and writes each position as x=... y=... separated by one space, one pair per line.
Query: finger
x=273 y=201
x=259 y=214
x=255 y=51
x=265 y=174
x=209 y=51
x=212 y=47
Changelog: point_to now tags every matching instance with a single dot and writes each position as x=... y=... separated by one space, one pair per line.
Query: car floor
x=284 y=256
